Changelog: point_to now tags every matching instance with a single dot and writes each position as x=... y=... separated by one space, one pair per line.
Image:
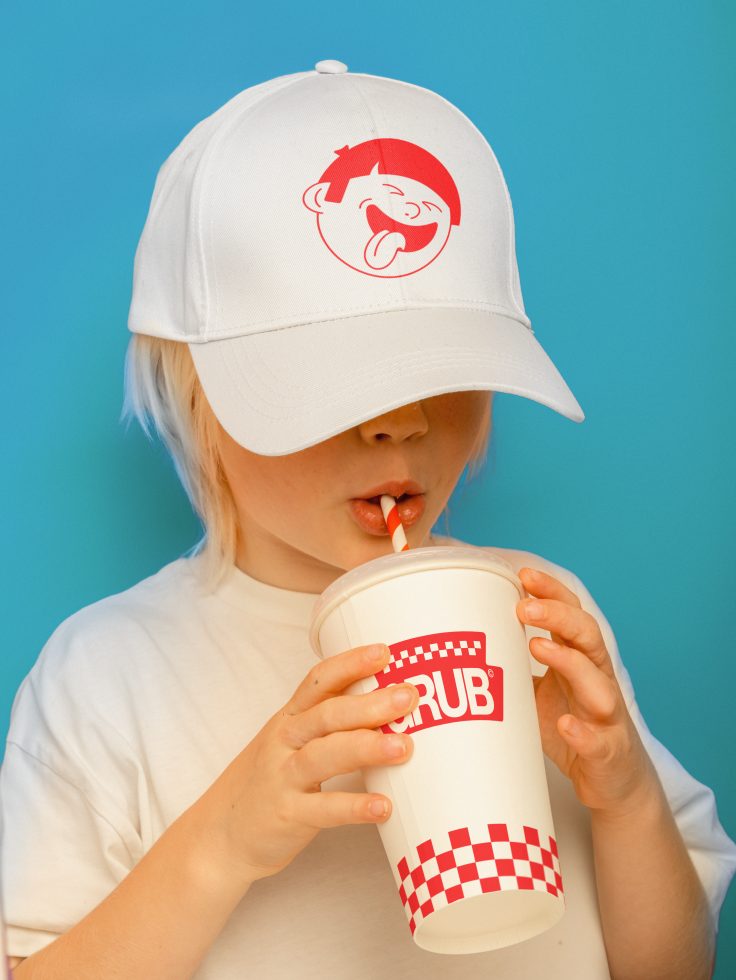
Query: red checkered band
x=454 y=680
x=497 y=858
x=434 y=645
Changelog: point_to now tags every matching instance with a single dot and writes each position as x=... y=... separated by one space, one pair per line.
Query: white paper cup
x=470 y=838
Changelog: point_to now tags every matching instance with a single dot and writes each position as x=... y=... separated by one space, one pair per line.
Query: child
x=325 y=298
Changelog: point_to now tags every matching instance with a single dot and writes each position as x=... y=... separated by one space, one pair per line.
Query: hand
x=586 y=728
x=268 y=804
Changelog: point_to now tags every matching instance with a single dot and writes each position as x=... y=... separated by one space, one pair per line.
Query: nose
x=404 y=422
x=411 y=204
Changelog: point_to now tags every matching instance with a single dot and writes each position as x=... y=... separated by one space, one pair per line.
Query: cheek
x=463 y=418
x=283 y=486
x=279 y=487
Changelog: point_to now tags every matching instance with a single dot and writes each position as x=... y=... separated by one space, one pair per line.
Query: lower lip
x=370 y=516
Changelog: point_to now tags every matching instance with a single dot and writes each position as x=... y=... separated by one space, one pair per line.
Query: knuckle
x=385 y=746
x=329 y=748
x=612 y=751
x=293 y=764
x=315 y=676
x=285 y=810
x=382 y=707
x=368 y=742
x=340 y=714
x=582 y=635
x=574 y=628
x=291 y=730
x=589 y=628
x=609 y=700
x=330 y=711
x=326 y=715
x=373 y=746
x=596 y=636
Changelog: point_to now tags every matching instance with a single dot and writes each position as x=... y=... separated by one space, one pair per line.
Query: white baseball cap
x=332 y=245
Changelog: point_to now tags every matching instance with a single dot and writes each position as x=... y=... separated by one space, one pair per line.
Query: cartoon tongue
x=382 y=248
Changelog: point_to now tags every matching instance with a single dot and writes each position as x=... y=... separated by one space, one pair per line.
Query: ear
x=314 y=196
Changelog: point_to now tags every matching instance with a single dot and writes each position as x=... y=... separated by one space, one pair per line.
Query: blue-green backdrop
x=613 y=124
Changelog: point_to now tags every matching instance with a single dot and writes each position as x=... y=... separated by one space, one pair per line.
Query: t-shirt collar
x=238 y=588
x=272 y=602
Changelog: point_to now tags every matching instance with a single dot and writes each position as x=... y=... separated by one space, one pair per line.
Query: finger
x=539 y=583
x=571 y=625
x=342 y=752
x=335 y=809
x=596 y=696
x=333 y=674
x=351 y=711
x=588 y=742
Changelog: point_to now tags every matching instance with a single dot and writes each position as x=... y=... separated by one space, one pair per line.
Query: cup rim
x=401 y=563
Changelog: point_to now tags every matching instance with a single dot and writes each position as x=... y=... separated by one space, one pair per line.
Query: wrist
x=646 y=802
x=211 y=860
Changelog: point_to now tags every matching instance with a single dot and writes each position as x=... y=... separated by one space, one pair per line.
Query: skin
x=293 y=510
x=298 y=535
x=654 y=912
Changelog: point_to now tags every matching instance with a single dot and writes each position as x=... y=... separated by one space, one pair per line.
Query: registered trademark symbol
x=490 y=672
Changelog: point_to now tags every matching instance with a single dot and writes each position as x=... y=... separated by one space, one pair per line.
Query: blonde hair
x=163 y=393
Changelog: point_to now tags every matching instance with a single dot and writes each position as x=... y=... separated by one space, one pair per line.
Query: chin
x=364 y=547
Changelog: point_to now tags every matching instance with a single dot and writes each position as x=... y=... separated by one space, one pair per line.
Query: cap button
x=330 y=67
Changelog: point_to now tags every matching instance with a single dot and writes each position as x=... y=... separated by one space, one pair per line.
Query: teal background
x=614 y=128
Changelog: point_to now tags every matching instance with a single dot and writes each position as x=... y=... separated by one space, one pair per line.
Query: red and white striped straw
x=393 y=523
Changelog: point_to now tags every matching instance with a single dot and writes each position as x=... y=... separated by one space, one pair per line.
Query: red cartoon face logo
x=381 y=199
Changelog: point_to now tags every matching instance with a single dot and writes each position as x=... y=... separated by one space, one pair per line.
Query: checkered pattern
x=471 y=861
x=423 y=648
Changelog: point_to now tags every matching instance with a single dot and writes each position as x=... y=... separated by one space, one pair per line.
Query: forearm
x=160 y=920
x=654 y=912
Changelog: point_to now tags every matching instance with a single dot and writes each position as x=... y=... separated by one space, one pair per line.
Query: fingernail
x=379 y=808
x=534 y=610
x=402 y=698
x=379 y=652
x=395 y=745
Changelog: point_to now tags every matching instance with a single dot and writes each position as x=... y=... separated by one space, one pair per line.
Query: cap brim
x=287 y=389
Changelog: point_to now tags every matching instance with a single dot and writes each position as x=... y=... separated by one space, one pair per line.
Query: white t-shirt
x=138 y=702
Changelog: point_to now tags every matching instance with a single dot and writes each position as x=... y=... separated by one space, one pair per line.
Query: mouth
x=390 y=236
x=367 y=513
x=415 y=236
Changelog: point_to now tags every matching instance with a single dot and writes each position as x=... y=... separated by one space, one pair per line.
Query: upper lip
x=394 y=488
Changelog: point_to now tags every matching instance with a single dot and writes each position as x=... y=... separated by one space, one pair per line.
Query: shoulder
x=519 y=558
x=94 y=660
x=101 y=626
